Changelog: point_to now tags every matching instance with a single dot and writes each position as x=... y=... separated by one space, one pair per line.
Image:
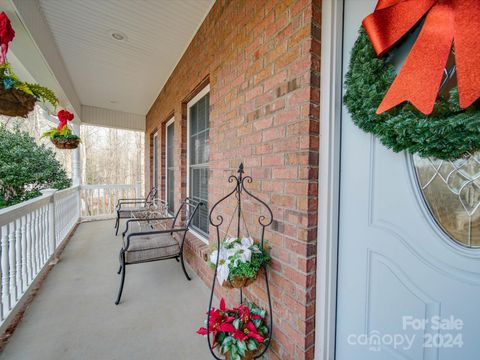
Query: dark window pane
x=170 y=168
x=193 y=119
x=198 y=162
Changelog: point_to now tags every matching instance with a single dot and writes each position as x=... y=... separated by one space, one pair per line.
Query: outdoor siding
x=262 y=61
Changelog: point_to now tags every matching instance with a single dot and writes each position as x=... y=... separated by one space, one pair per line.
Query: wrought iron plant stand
x=237 y=216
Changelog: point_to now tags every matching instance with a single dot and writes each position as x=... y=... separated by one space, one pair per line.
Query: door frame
x=169 y=123
x=329 y=178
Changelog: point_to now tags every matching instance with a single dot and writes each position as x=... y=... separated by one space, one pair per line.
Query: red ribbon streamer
x=446 y=21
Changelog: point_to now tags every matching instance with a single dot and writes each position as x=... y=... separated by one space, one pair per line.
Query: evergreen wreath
x=449 y=132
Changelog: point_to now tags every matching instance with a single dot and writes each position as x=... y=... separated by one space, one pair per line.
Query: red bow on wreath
x=446 y=21
x=64 y=116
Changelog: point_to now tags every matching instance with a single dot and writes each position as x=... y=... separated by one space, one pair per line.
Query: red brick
x=273 y=133
x=284 y=173
x=273 y=160
x=262 y=61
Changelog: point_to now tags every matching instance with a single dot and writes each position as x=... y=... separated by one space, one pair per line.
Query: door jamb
x=329 y=177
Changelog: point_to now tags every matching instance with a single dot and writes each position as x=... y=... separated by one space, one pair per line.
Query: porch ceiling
x=124 y=75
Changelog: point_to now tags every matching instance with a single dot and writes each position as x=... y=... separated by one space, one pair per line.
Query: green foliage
x=65 y=133
x=43 y=94
x=40 y=92
x=251 y=268
x=448 y=133
x=26 y=168
x=237 y=348
x=238 y=268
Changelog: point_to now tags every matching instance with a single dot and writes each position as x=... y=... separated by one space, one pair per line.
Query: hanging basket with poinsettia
x=17 y=98
x=240 y=261
x=237 y=333
x=62 y=136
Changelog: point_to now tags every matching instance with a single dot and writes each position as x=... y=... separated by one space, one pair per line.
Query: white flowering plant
x=239 y=258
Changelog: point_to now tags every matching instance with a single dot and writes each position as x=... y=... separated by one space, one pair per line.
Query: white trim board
x=169 y=123
x=92 y=115
x=329 y=178
x=155 y=159
x=192 y=102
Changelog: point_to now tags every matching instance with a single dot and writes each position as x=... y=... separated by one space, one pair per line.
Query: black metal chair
x=127 y=207
x=156 y=245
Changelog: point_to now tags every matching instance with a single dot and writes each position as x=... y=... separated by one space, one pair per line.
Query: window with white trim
x=155 y=160
x=198 y=144
x=169 y=166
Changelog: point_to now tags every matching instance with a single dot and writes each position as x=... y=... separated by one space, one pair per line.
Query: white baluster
x=63 y=217
x=5 y=272
x=18 y=257
x=47 y=226
x=3 y=240
x=40 y=238
x=29 y=248
x=36 y=235
x=24 y=261
x=46 y=233
x=92 y=208
x=98 y=203
x=43 y=241
x=58 y=220
x=12 y=263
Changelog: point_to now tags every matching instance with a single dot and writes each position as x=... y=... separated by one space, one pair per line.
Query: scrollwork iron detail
x=217 y=220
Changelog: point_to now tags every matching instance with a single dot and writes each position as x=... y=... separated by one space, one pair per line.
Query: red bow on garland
x=446 y=21
x=64 y=116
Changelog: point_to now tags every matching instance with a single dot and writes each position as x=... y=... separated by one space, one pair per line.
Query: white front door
x=405 y=289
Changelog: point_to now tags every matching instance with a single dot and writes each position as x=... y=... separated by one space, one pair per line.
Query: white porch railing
x=30 y=233
x=100 y=201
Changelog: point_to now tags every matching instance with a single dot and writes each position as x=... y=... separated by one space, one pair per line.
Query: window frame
x=193 y=101
x=169 y=123
x=155 y=169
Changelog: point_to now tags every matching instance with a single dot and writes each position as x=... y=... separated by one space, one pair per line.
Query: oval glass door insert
x=451 y=190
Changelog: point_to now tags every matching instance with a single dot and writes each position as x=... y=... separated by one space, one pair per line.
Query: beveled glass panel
x=451 y=190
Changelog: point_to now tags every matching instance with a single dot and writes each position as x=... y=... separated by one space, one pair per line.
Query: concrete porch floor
x=74 y=315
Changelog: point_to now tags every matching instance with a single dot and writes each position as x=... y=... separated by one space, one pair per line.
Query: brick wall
x=261 y=59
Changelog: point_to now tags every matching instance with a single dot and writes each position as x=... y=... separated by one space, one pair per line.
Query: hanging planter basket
x=65 y=143
x=15 y=102
x=259 y=328
x=238 y=282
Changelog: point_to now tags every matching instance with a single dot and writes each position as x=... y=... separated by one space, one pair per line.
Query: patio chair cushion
x=151 y=247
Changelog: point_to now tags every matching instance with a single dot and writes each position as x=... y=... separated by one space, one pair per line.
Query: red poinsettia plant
x=61 y=136
x=237 y=332
x=64 y=117
x=6 y=36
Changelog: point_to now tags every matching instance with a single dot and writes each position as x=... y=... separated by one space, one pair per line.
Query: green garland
x=448 y=133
